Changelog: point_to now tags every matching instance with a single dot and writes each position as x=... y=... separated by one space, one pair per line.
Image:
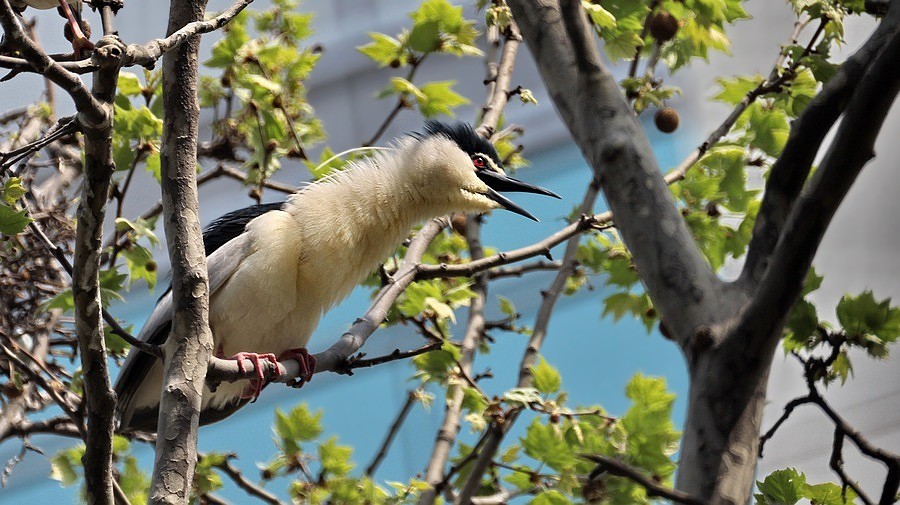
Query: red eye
x=478 y=161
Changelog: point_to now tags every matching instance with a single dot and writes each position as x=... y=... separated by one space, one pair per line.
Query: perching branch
x=335 y=358
x=619 y=469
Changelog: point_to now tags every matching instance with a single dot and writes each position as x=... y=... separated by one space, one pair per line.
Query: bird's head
x=461 y=169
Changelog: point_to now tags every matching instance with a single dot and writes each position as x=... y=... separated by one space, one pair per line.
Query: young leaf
x=546 y=379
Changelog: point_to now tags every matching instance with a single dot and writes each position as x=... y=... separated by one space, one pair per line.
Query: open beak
x=498 y=181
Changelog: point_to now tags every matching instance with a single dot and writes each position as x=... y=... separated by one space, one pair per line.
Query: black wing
x=225 y=228
x=138 y=363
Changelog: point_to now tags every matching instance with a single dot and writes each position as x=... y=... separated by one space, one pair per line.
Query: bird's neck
x=355 y=218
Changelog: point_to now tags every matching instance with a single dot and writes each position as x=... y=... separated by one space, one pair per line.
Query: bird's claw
x=306 y=361
x=256 y=385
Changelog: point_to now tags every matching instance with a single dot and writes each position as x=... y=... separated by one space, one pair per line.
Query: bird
x=275 y=269
x=69 y=9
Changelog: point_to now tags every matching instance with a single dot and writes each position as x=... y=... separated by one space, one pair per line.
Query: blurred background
x=595 y=355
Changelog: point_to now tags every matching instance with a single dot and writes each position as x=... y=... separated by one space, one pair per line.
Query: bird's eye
x=479 y=162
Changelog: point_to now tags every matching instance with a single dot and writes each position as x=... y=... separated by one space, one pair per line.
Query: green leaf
x=65 y=465
x=781 y=487
x=384 y=50
x=141 y=265
x=768 y=129
x=434 y=366
x=801 y=324
x=335 y=459
x=735 y=90
x=601 y=17
x=544 y=444
x=111 y=284
x=863 y=314
x=12 y=221
x=651 y=436
x=546 y=379
x=507 y=307
x=425 y=36
x=439 y=98
x=129 y=84
x=12 y=190
x=551 y=497
x=829 y=494
x=298 y=425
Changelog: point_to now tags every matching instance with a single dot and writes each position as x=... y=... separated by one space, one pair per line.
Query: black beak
x=498 y=181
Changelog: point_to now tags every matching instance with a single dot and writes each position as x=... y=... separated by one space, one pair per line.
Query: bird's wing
x=226 y=245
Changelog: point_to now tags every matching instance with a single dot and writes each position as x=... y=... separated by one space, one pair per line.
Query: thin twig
x=619 y=469
x=411 y=396
x=836 y=462
x=401 y=103
x=250 y=488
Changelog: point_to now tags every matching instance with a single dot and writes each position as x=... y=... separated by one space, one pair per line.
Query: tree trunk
x=720 y=445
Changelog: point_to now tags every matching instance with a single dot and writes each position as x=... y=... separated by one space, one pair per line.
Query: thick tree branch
x=791 y=169
x=189 y=346
x=587 y=97
x=90 y=110
x=809 y=218
x=98 y=169
x=619 y=469
x=145 y=55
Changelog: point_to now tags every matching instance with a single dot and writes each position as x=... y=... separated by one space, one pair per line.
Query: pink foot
x=256 y=385
x=307 y=364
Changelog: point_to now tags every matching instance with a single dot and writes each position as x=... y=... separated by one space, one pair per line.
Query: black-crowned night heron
x=274 y=269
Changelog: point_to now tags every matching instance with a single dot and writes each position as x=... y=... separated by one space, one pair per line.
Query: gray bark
x=99 y=166
x=188 y=349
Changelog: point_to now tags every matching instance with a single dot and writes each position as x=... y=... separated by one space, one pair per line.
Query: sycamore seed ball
x=666 y=119
x=663 y=26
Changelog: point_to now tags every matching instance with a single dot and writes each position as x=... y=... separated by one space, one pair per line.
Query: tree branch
x=336 y=358
x=836 y=462
x=675 y=273
x=495 y=433
x=851 y=149
x=252 y=489
x=392 y=432
x=446 y=436
x=791 y=169
x=189 y=346
x=145 y=55
x=90 y=110
x=619 y=469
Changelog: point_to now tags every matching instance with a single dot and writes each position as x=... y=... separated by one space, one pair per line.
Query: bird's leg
x=79 y=39
x=256 y=385
x=307 y=364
